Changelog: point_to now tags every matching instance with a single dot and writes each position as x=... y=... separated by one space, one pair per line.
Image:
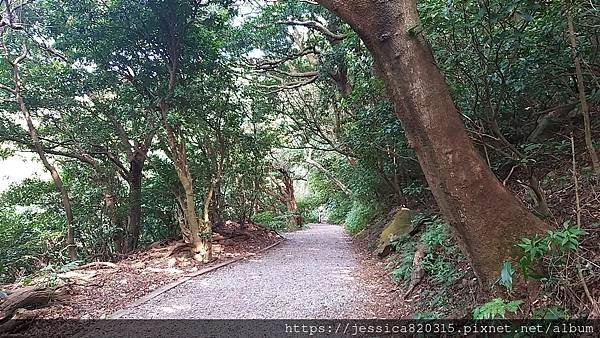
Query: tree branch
x=316 y=26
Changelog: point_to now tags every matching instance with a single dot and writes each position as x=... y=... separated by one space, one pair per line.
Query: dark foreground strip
x=305 y=328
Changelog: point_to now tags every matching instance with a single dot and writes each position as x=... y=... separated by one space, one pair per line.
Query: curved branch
x=316 y=26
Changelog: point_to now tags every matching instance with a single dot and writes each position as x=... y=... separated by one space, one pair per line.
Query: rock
x=139 y=265
x=398 y=226
x=77 y=277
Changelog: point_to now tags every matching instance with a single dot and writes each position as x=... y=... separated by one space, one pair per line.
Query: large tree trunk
x=289 y=196
x=486 y=217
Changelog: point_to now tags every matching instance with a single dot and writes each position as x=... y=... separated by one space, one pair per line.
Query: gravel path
x=308 y=276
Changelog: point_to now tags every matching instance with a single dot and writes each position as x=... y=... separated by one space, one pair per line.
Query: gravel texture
x=311 y=275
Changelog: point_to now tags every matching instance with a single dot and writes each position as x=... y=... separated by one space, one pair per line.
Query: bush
x=338 y=209
x=549 y=248
x=404 y=262
x=308 y=208
x=270 y=220
x=359 y=216
x=441 y=253
x=28 y=242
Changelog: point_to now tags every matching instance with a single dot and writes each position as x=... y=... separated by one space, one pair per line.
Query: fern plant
x=496 y=309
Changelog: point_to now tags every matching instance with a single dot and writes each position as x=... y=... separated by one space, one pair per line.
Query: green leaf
x=550 y=313
x=506 y=274
x=513 y=306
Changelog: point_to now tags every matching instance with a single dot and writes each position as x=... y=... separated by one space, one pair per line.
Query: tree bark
x=28 y=297
x=488 y=220
x=289 y=196
x=134 y=219
x=200 y=232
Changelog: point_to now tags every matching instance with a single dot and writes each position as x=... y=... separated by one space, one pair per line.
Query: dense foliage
x=275 y=113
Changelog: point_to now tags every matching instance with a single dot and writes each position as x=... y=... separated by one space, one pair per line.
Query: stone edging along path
x=167 y=287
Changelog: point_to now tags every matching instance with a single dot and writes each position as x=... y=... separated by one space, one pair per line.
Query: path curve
x=309 y=276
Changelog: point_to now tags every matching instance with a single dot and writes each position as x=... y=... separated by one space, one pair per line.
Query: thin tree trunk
x=64 y=195
x=200 y=233
x=207 y=201
x=540 y=196
x=134 y=219
x=534 y=183
x=215 y=189
x=137 y=153
x=200 y=237
x=216 y=208
x=110 y=208
x=585 y=111
x=39 y=149
x=198 y=244
x=486 y=217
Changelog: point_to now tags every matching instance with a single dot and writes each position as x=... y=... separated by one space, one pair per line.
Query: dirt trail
x=311 y=275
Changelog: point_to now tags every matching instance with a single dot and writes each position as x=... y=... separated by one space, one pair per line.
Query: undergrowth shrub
x=545 y=258
x=496 y=309
x=338 y=209
x=271 y=220
x=359 y=216
x=403 y=261
x=28 y=241
x=441 y=253
x=550 y=250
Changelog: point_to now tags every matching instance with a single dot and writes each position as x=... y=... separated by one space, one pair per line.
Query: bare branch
x=8 y=89
x=316 y=26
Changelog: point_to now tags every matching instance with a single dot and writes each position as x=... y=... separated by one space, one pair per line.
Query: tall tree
x=15 y=56
x=486 y=217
